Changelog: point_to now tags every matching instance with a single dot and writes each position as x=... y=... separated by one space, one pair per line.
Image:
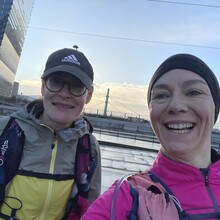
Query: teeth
x=180 y=126
x=180 y=131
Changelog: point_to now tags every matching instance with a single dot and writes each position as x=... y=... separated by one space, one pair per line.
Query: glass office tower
x=14 y=19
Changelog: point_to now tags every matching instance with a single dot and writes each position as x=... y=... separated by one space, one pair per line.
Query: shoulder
x=141 y=178
x=95 y=148
x=3 y=123
x=144 y=181
x=93 y=140
x=101 y=207
x=89 y=125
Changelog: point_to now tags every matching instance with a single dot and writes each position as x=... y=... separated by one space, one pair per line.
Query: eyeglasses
x=56 y=84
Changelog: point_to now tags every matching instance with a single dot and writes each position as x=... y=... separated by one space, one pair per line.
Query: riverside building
x=14 y=19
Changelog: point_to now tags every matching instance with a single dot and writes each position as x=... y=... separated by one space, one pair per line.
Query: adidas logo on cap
x=70 y=59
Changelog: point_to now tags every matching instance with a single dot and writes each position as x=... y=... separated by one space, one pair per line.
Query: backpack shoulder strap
x=85 y=165
x=143 y=180
x=115 y=194
x=11 y=148
x=168 y=194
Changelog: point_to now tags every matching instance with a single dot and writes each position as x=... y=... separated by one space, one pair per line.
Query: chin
x=63 y=121
x=64 y=117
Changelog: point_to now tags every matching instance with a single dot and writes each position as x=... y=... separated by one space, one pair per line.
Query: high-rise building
x=14 y=19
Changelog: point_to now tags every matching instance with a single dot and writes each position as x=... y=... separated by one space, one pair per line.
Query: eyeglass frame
x=63 y=84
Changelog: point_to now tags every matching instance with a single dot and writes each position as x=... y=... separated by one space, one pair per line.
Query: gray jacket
x=39 y=139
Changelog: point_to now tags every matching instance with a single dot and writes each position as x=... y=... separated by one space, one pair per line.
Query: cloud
x=29 y=87
x=124 y=99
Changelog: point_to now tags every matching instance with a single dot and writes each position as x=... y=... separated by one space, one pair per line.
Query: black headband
x=194 y=64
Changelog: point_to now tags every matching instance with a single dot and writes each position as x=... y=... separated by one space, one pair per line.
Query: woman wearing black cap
x=184 y=181
x=56 y=171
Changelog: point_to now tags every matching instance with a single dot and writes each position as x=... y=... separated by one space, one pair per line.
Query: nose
x=65 y=90
x=177 y=104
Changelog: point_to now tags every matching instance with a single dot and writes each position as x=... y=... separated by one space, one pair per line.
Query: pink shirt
x=101 y=208
x=196 y=193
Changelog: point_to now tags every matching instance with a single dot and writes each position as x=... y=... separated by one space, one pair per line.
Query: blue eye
x=194 y=93
x=55 y=81
x=160 y=96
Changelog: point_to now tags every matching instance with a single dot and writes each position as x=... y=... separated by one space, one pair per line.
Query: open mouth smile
x=65 y=106
x=180 y=128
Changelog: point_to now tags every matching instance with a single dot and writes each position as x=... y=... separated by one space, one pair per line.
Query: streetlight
x=75 y=46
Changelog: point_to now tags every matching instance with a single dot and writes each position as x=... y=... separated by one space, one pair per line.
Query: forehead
x=179 y=76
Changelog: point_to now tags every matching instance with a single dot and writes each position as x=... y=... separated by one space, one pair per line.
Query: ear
x=42 y=87
x=89 y=95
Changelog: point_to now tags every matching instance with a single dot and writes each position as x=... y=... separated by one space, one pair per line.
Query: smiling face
x=182 y=116
x=62 y=108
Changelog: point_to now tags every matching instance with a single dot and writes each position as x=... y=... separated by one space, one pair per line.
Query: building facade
x=14 y=19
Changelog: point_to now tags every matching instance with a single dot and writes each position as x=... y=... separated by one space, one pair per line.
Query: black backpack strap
x=11 y=143
x=57 y=177
x=133 y=214
x=11 y=148
x=13 y=210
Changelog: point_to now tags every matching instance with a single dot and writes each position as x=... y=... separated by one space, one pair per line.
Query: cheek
x=80 y=102
x=154 y=110
x=45 y=92
x=156 y=115
x=207 y=112
x=204 y=107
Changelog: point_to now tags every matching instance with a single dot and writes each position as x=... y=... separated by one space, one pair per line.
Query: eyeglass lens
x=56 y=84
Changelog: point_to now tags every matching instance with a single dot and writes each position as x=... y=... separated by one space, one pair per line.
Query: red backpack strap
x=85 y=165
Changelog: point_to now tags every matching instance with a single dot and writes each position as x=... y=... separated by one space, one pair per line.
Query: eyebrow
x=75 y=79
x=186 y=83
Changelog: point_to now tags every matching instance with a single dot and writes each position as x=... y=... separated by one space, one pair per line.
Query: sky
x=124 y=40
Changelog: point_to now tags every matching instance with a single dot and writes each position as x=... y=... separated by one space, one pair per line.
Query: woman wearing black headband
x=184 y=181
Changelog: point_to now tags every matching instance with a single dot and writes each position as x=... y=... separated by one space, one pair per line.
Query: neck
x=52 y=124
x=198 y=161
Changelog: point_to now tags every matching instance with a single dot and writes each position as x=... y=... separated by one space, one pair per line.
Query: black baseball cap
x=70 y=61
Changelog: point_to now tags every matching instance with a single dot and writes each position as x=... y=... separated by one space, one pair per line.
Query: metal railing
x=133 y=127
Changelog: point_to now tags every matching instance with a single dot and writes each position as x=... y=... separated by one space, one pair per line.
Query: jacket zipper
x=50 y=181
x=215 y=205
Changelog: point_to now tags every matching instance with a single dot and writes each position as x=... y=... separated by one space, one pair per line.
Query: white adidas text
x=71 y=59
